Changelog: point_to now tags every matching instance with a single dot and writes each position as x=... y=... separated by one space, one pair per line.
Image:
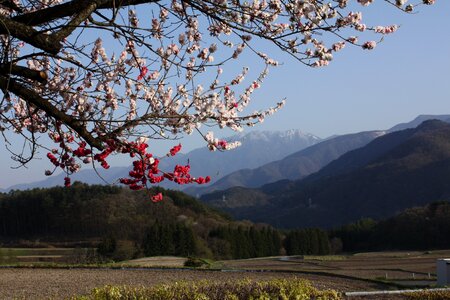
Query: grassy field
x=344 y=273
x=18 y=256
x=156 y=261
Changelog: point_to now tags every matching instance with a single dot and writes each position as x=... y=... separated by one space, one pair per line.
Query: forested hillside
x=420 y=228
x=89 y=211
x=125 y=224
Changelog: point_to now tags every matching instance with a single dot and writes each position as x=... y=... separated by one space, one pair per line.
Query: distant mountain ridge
x=294 y=166
x=305 y=162
x=277 y=144
x=247 y=165
x=393 y=172
x=419 y=120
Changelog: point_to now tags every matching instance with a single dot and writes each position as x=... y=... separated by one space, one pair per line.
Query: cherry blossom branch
x=33 y=98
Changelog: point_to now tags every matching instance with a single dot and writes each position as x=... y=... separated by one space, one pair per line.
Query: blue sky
x=406 y=75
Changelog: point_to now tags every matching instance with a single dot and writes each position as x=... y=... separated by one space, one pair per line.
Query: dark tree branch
x=70 y=8
x=39 y=76
x=20 y=26
x=29 y=35
x=11 y=5
x=78 y=19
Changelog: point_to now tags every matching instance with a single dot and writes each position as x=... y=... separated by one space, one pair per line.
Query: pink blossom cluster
x=386 y=29
x=216 y=144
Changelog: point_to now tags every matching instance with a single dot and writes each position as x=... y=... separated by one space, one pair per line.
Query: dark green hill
x=125 y=224
x=394 y=172
x=419 y=228
x=89 y=211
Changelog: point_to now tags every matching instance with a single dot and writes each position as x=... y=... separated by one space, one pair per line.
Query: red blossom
x=222 y=144
x=157 y=198
x=175 y=150
x=203 y=180
x=53 y=159
x=104 y=164
x=145 y=168
x=143 y=72
x=155 y=179
x=135 y=187
x=81 y=151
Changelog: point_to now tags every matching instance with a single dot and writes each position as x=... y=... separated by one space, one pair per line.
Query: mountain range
x=277 y=144
x=419 y=120
x=294 y=166
x=290 y=154
x=304 y=162
x=395 y=171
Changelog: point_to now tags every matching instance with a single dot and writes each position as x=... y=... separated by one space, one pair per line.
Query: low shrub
x=194 y=262
x=205 y=290
x=429 y=295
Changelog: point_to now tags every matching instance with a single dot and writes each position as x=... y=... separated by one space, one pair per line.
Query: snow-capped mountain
x=258 y=148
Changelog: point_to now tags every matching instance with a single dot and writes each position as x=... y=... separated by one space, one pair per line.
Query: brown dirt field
x=25 y=283
x=397 y=265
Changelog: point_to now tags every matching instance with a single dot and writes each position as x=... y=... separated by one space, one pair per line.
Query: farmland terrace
x=345 y=273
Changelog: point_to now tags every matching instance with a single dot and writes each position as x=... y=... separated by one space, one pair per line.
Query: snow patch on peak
x=380 y=133
x=290 y=134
